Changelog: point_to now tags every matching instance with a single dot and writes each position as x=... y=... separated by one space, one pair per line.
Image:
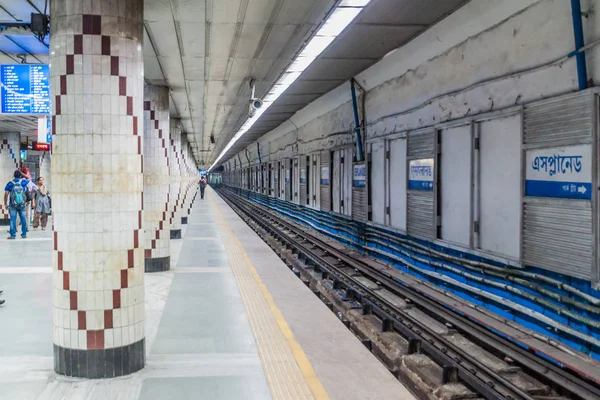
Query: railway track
x=435 y=351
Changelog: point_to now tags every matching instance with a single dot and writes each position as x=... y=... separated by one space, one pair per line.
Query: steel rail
x=482 y=379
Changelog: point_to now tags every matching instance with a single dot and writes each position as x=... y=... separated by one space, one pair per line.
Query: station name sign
x=559 y=172
x=360 y=176
x=324 y=175
x=420 y=174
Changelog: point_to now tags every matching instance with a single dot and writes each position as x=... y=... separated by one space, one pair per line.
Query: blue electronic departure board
x=25 y=89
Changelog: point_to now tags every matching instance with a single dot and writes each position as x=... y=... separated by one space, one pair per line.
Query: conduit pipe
x=258 y=151
x=357 y=124
x=510 y=304
x=579 y=44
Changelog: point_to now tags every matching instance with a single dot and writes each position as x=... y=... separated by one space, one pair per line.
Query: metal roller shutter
x=302 y=180
x=289 y=195
x=325 y=179
x=359 y=192
x=558 y=221
x=420 y=214
x=421 y=217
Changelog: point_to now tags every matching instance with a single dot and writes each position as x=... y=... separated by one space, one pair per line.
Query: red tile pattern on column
x=156 y=178
x=175 y=169
x=81 y=110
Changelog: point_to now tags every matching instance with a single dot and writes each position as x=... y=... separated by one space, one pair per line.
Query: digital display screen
x=41 y=146
x=25 y=89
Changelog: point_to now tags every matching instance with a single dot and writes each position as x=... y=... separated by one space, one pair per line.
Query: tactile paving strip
x=288 y=371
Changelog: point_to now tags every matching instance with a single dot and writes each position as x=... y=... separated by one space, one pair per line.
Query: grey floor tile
x=28 y=315
x=206 y=388
x=204 y=314
x=22 y=390
x=204 y=230
x=197 y=254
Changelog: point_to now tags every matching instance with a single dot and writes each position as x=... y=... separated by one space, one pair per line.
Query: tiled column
x=175 y=196
x=156 y=179
x=193 y=178
x=10 y=146
x=185 y=176
x=97 y=83
x=45 y=169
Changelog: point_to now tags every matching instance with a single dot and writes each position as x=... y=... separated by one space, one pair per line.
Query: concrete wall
x=488 y=56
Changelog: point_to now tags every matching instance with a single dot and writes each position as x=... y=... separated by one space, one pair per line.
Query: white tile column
x=97 y=85
x=157 y=254
x=175 y=189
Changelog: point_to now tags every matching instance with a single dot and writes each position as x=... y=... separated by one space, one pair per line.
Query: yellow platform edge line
x=312 y=380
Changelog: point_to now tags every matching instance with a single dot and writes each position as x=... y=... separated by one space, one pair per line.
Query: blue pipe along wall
x=557 y=306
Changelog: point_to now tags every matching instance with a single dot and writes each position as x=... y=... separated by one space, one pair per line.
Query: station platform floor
x=228 y=321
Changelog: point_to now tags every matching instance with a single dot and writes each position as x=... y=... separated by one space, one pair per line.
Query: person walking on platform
x=41 y=203
x=30 y=193
x=202 y=186
x=15 y=199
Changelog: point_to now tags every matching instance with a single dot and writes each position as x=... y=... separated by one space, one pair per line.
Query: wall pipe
x=240 y=160
x=359 y=148
x=579 y=43
x=258 y=151
x=247 y=158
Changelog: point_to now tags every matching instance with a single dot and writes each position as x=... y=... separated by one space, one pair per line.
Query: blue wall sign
x=302 y=175
x=202 y=172
x=560 y=172
x=324 y=175
x=49 y=130
x=420 y=174
x=25 y=89
x=360 y=175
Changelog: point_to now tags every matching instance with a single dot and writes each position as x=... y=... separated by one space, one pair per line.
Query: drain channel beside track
x=414 y=335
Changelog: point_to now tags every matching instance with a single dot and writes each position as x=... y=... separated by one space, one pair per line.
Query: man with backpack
x=15 y=198
x=30 y=194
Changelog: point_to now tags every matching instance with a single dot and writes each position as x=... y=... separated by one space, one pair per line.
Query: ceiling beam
x=23 y=48
x=15 y=28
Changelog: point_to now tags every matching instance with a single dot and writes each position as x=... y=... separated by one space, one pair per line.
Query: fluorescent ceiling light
x=334 y=25
x=288 y=78
x=338 y=21
x=316 y=46
x=354 y=3
x=300 y=64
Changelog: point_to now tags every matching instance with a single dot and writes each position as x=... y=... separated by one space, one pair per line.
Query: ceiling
x=207 y=51
x=383 y=26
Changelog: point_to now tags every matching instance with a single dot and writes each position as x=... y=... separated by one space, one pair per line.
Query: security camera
x=255 y=104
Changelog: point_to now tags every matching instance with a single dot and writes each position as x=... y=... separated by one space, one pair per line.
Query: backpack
x=18 y=198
